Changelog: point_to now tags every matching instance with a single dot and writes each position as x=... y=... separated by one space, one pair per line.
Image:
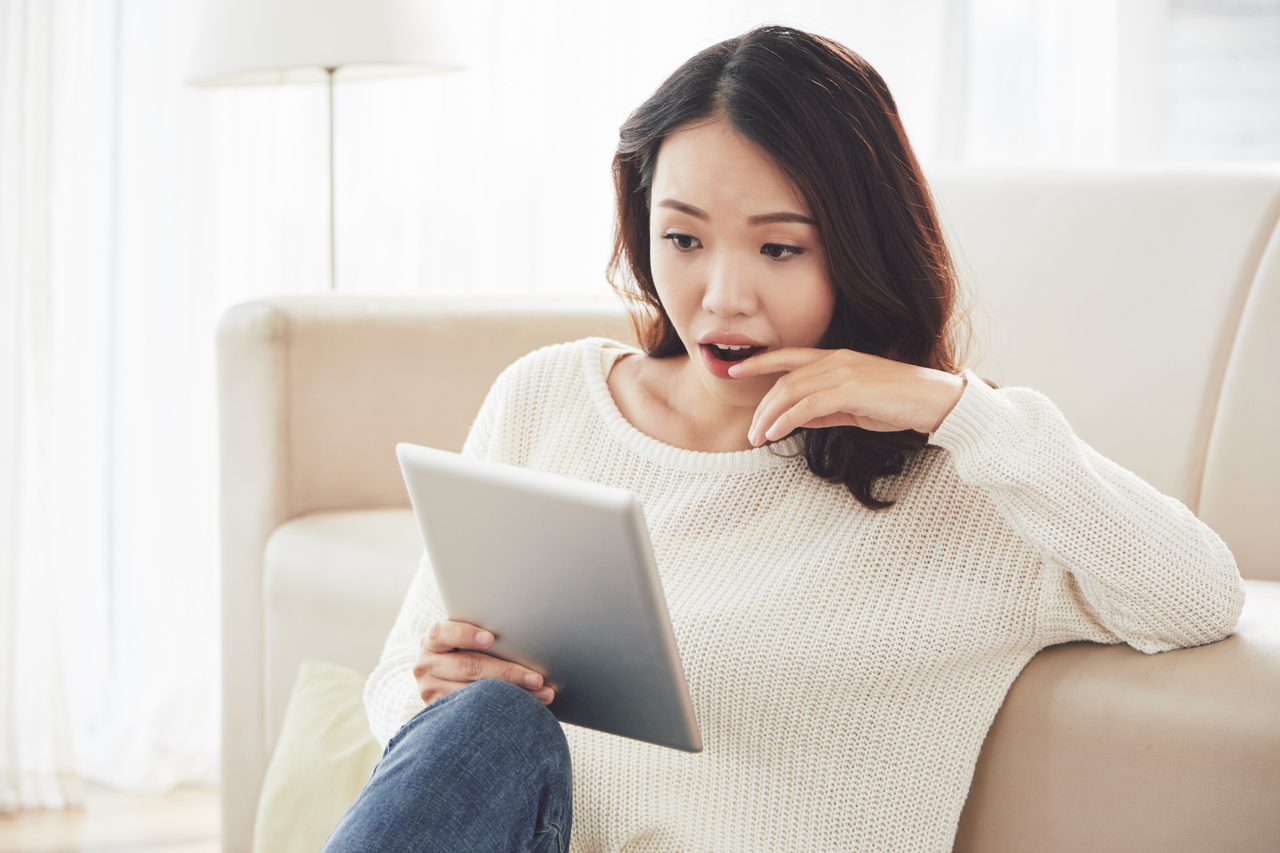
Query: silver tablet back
x=561 y=571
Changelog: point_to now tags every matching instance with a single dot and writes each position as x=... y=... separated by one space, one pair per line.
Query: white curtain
x=134 y=210
x=55 y=261
x=497 y=179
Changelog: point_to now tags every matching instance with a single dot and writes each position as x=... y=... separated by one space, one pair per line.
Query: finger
x=814 y=407
x=445 y=636
x=465 y=667
x=776 y=361
x=432 y=688
x=794 y=418
x=784 y=393
x=788 y=392
x=837 y=419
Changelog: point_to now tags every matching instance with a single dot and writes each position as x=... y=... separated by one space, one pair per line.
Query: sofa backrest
x=1118 y=293
x=1240 y=497
x=328 y=366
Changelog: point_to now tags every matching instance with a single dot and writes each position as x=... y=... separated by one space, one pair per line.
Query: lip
x=730 y=339
x=717 y=368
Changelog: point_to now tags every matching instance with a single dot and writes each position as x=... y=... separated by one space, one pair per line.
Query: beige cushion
x=1117 y=294
x=1241 y=497
x=332 y=585
x=321 y=762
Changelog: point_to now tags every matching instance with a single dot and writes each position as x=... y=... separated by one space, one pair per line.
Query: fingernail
x=484 y=638
x=532 y=679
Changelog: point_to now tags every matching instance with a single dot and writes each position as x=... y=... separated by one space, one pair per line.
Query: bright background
x=134 y=210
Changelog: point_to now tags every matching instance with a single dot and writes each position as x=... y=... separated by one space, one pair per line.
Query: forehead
x=710 y=165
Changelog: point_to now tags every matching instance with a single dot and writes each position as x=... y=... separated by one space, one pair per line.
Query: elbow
x=1206 y=615
x=1213 y=601
x=1223 y=598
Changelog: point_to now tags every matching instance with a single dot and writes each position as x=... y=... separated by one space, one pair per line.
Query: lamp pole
x=333 y=231
x=263 y=42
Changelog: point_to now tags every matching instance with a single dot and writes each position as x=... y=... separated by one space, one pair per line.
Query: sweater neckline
x=649 y=448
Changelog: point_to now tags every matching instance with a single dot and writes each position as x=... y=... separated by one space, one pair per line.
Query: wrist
x=947 y=391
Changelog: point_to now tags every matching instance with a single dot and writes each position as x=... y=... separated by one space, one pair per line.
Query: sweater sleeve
x=1121 y=562
x=391 y=693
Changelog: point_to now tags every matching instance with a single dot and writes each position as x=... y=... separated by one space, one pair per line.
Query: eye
x=780 y=251
x=683 y=242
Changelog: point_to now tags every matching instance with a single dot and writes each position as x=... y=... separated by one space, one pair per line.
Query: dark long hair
x=827 y=119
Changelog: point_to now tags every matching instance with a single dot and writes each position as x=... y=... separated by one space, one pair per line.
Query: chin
x=746 y=393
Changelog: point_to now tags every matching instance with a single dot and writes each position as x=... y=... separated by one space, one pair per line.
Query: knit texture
x=844 y=664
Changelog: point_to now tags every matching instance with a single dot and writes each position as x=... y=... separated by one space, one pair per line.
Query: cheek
x=807 y=312
x=826 y=300
x=674 y=289
x=658 y=266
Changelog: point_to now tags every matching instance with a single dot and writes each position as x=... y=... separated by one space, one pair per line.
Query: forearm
x=1117 y=553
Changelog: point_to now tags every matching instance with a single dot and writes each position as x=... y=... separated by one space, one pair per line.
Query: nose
x=729 y=291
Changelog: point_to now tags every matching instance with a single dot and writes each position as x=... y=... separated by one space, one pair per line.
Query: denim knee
x=486 y=768
x=487 y=705
x=488 y=715
x=500 y=703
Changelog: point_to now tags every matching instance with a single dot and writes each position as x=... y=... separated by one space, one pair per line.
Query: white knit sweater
x=844 y=664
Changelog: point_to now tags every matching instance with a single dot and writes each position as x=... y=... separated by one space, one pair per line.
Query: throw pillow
x=323 y=758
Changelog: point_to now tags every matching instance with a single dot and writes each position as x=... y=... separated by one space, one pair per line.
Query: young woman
x=861 y=544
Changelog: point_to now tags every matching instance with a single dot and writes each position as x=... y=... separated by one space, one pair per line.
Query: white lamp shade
x=259 y=42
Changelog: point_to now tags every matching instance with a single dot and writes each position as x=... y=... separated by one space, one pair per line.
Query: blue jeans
x=485 y=768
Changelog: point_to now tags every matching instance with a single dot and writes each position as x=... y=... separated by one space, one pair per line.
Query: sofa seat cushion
x=1088 y=737
x=333 y=584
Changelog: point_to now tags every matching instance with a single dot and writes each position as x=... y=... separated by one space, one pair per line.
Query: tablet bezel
x=562 y=572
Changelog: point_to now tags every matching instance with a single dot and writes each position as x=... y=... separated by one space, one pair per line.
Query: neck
x=714 y=420
x=665 y=399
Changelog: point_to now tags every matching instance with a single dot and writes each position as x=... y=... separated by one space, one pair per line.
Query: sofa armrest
x=314 y=393
x=1105 y=748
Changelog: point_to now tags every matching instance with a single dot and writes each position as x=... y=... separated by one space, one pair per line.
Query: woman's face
x=735 y=256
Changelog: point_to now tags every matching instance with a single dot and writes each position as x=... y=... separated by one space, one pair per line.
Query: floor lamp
x=271 y=42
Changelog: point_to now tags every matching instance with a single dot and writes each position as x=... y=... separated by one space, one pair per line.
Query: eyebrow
x=696 y=212
x=758 y=219
x=770 y=218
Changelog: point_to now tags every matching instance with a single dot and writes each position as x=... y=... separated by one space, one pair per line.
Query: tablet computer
x=562 y=572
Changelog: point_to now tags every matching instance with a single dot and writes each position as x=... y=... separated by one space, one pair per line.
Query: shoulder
x=535 y=374
x=544 y=390
x=557 y=361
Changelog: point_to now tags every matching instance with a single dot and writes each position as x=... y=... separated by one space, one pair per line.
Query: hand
x=824 y=388
x=447 y=662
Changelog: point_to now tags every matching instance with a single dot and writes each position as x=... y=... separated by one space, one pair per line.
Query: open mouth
x=728 y=352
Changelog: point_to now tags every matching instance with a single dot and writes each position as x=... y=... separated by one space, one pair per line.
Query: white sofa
x=1145 y=303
